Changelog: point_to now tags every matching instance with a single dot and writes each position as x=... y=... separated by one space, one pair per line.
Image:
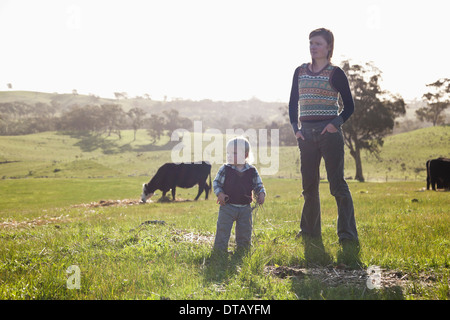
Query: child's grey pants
x=228 y=214
x=330 y=146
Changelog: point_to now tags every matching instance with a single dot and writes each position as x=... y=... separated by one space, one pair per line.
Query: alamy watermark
x=373 y=21
x=74 y=279
x=208 y=145
x=73 y=21
x=374 y=277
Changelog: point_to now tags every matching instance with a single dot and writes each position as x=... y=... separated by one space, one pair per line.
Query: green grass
x=58 y=155
x=48 y=224
x=402 y=229
x=403 y=156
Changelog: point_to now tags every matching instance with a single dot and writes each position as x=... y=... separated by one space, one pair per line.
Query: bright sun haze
x=209 y=49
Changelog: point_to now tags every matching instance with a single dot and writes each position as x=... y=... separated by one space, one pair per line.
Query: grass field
x=60 y=223
x=76 y=218
x=57 y=155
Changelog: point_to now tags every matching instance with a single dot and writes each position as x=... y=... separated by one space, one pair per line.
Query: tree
x=155 y=126
x=286 y=134
x=137 y=119
x=85 y=118
x=374 y=115
x=174 y=121
x=121 y=95
x=112 y=116
x=438 y=100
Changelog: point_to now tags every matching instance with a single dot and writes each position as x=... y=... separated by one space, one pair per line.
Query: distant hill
x=403 y=156
x=214 y=114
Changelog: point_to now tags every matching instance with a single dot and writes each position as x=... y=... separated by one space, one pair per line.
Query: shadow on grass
x=222 y=266
x=312 y=288
x=345 y=281
x=89 y=142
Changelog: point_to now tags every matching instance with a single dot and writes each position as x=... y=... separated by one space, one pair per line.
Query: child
x=233 y=187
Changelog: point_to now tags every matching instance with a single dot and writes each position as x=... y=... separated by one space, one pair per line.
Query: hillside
x=214 y=114
x=52 y=154
x=403 y=156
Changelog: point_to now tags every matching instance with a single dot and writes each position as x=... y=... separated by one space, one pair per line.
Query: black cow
x=438 y=173
x=183 y=175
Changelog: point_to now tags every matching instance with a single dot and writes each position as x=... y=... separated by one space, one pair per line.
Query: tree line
x=19 y=118
x=374 y=117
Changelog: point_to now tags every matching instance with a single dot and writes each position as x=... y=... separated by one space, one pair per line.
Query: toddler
x=234 y=183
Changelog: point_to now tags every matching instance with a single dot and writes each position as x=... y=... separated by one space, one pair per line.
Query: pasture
x=86 y=214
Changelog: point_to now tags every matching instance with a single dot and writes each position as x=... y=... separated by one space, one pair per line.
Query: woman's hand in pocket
x=329 y=128
x=299 y=135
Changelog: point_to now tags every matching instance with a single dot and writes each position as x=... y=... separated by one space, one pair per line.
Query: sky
x=226 y=50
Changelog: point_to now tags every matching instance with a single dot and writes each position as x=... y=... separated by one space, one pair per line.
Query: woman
x=316 y=88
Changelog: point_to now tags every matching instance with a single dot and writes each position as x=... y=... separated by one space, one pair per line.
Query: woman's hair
x=327 y=35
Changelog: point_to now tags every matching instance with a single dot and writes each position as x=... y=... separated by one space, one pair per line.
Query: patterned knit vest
x=238 y=185
x=317 y=97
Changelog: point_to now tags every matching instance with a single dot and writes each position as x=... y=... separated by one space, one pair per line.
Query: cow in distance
x=438 y=173
x=184 y=175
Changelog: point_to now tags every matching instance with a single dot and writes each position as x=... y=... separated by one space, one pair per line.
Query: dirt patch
x=124 y=203
x=39 y=221
x=179 y=234
x=330 y=276
x=167 y=199
x=336 y=276
x=109 y=203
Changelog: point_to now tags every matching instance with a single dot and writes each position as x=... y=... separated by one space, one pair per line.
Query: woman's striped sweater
x=317 y=96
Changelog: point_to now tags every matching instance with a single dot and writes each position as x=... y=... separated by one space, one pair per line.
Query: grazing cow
x=438 y=173
x=183 y=175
